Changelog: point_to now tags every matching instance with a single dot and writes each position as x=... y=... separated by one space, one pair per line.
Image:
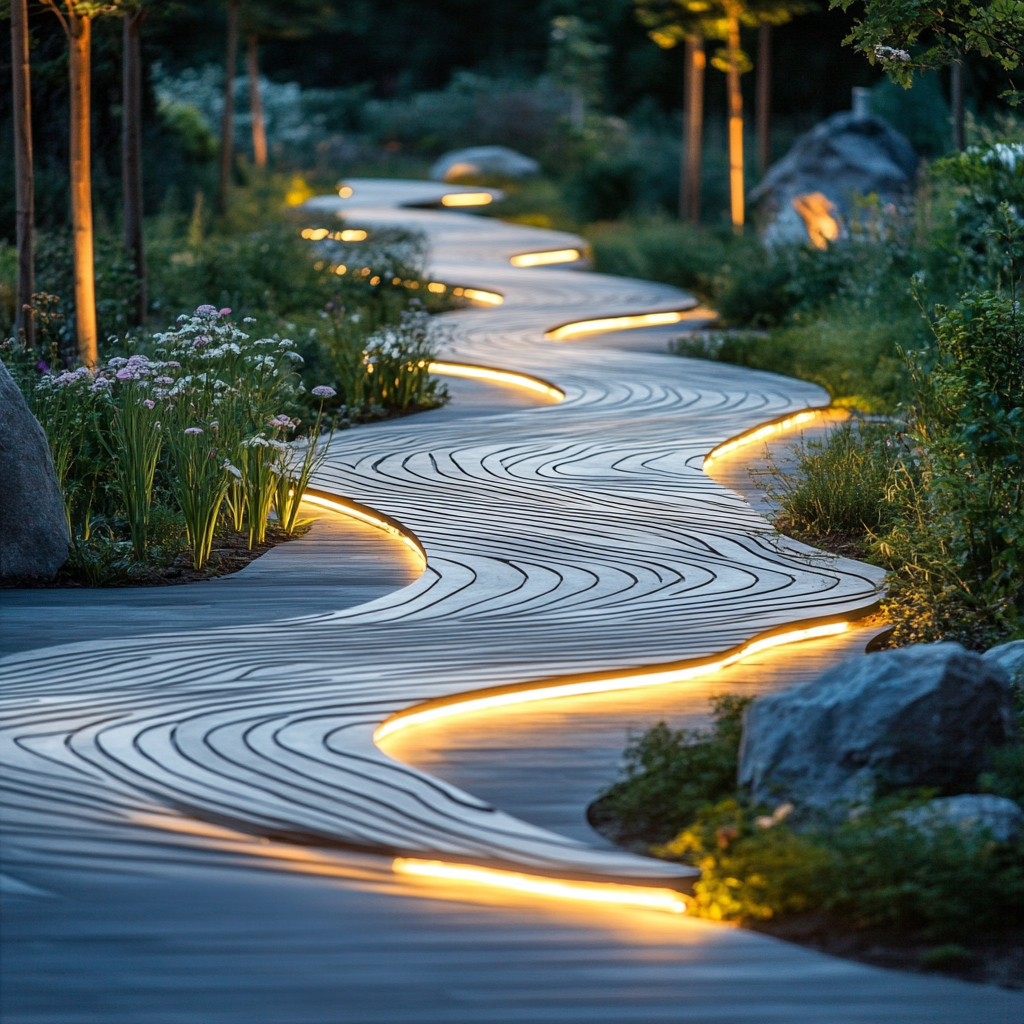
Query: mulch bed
x=231 y=552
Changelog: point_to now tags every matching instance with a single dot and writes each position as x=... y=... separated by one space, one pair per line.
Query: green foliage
x=904 y=37
x=876 y=871
x=671 y=774
x=956 y=551
x=843 y=484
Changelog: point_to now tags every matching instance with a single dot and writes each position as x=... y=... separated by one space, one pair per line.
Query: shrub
x=670 y=774
x=875 y=871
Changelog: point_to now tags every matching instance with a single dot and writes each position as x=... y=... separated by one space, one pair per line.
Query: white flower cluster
x=884 y=53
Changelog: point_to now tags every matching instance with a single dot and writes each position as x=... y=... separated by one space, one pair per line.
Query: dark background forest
x=393 y=50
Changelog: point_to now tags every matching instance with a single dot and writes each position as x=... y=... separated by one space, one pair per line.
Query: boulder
x=33 y=527
x=810 y=194
x=1010 y=658
x=482 y=161
x=918 y=716
x=997 y=815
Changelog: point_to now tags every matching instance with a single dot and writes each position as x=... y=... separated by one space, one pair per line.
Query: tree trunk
x=259 y=131
x=131 y=158
x=227 y=128
x=764 y=97
x=956 y=102
x=24 y=184
x=80 y=37
x=689 y=190
x=735 y=127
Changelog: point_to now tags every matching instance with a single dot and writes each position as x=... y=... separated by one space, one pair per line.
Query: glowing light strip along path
x=578 y=539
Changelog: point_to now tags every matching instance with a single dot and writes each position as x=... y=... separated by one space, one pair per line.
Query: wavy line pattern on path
x=574 y=538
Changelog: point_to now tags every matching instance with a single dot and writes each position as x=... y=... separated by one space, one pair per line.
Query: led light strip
x=467 y=199
x=501 y=376
x=540 y=259
x=761 y=432
x=605 y=684
x=592 y=892
x=623 y=323
x=357 y=511
x=478 y=295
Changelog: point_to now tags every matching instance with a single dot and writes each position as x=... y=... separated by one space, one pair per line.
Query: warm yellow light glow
x=540 y=259
x=622 y=323
x=500 y=376
x=315 y=234
x=606 y=684
x=490 y=298
x=467 y=199
x=367 y=516
x=762 y=432
x=817 y=209
x=437 y=288
x=352 y=235
x=340 y=269
x=344 y=191
x=375 y=281
x=592 y=892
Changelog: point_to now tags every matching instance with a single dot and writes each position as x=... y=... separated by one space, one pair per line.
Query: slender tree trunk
x=131 y=157
x=956 y=98
x=24 y=184
x=227 y=128
x=735 y=127
x=689 y=190
x=259 y=131
x=764 y=97
x=80 y=37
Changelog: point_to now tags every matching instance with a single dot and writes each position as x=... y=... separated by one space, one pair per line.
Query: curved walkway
x=570 y=540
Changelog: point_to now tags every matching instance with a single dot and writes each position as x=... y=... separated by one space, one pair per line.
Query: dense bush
x=670 y=775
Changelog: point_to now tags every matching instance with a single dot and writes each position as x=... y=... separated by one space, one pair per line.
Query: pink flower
x=124 y=374
x=323 y=391
x=280 y=421
x=206 y=311
x=224 y=312
x=193 y=430
x=149 y=403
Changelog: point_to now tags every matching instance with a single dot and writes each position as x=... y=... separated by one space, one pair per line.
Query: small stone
x=925 y=715
x=34 y=538
x=1010 y=658
x=997 y=815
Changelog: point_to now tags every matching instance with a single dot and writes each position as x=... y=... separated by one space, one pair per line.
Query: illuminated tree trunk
x=764 y=97
x=689 y=180
x=80 y=36
x=24 y=184
x=131 y=157
x=735 y=127
x=259 y=133
x=227 y=128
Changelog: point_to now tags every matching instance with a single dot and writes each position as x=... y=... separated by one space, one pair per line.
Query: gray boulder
x=847 y=155
x=33 y=527
x=479 y=161
x=919 y=716
x=997 y=815
x=1010 y=658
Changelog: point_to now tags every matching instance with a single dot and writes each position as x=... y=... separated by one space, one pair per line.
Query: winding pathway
x=565 y=545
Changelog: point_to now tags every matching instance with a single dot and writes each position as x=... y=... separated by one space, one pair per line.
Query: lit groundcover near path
x=576 y=546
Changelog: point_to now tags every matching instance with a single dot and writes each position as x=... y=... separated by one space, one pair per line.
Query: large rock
x=1010 y=658
x=483 y=161
x=33 y=527
x=810 y=194
x=919 y=716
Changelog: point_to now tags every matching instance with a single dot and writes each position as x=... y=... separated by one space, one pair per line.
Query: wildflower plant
x=295 y=472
